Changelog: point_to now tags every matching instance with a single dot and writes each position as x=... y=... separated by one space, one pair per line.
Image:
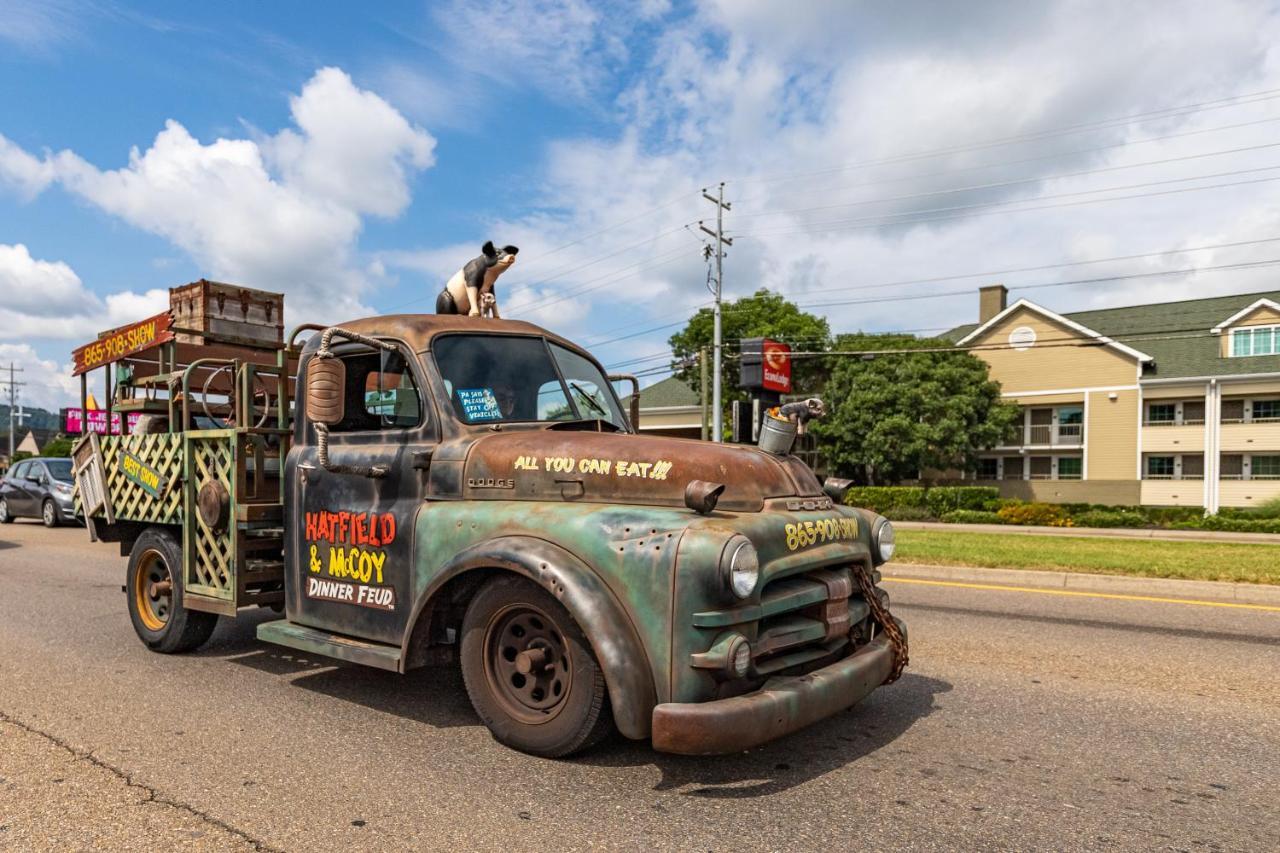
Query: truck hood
x=549 y=465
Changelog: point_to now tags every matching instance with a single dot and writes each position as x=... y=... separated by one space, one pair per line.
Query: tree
x=893 y=415
x=762 y=315
x=59 y=447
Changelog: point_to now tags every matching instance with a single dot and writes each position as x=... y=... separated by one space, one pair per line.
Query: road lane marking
x=1117 y=596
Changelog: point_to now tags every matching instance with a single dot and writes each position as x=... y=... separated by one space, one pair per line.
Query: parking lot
x=1025 y=720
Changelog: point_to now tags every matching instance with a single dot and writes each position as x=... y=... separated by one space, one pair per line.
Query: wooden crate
x=206 y=312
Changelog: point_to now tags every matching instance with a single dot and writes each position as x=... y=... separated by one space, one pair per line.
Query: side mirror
x=326 y=384
x=634 y=414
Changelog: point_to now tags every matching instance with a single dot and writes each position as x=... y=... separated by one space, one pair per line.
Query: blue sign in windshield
x=479 y=405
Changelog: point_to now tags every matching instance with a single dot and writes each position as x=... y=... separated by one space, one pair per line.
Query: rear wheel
x=530 y=671
x=154 y=587
x=49 y=513
x=5 y=516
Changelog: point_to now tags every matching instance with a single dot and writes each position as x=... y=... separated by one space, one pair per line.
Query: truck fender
x=605 y=622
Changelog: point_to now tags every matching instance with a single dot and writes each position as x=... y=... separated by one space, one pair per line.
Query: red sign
x=777 y=367
x=77 y=422
x=122 y=342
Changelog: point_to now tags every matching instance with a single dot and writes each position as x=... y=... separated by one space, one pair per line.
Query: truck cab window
x=380 y=393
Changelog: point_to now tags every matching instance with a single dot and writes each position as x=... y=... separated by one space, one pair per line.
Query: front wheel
x=530 y=671
x=5 y=516
x=49 y=514
x=154 y=587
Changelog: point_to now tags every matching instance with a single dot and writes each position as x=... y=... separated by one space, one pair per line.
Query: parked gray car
x=38 y=488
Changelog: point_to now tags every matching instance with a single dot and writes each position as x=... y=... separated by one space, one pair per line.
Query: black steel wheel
x=49 y=513
x=154 y=586
x=530 y=671
x=5 y=516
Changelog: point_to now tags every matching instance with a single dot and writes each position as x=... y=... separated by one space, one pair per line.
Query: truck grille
x=806 y=618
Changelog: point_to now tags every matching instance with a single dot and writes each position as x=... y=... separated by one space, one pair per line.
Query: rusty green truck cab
x=507 y=455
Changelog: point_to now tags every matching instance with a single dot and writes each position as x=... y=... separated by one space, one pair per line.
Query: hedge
x=1231 y=525
x=1104 y=518
x=971 y=516
x=936 y=500
x=1036 y=515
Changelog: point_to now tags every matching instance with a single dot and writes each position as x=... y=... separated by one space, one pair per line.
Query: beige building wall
x=1111 y=435
x=1173 y=439
x=1048 y=364
x=1247 y=492
x=1173 y=492
x=1192 y=391
x=1247 y=438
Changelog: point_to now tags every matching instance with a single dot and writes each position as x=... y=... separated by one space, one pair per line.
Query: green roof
x=665 y=394
x=1175 y=334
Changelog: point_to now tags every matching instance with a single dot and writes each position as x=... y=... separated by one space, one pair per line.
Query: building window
x=1232 y=411
x=1012 y=468
x=1193 y=412
x=1231 y=466
x=1193 y=466
x=1266 y=410
x=1162 y=414
x=1042 y=467
x=1261 y=340
x=1160 y=467
x=1070 y=467
x=1070 y=424
x=1265 y=468
x=988 y=469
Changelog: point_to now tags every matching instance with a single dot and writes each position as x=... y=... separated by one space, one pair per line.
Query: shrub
x=1168 y=515
x=1233 y=525
x=1035 y=514
x=942 y=499
x=908 y=513
x=1103 y=518
x=1270 y=509
x=971 y=516
x=883 y=498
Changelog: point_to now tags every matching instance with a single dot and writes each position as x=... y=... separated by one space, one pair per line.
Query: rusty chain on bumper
x=887 y=623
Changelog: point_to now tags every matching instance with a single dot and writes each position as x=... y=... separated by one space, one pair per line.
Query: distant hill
x=39 y=420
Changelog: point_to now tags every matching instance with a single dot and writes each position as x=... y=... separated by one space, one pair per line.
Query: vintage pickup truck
x=460 y=490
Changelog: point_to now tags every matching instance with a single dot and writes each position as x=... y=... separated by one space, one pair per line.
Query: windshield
x=505 y=378
x=59 y=469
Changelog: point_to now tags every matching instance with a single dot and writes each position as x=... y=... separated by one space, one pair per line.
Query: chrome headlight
x=885 y=540
x=740 y=566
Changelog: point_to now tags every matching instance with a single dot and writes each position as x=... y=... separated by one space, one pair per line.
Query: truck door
x=349 y=568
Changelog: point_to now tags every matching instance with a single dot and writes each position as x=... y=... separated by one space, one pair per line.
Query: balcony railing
x=1183 y=422
x=1048 y=434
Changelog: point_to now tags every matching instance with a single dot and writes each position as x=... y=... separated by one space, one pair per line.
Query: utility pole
x=717 y=410
x=702 y=364
x=13 y=402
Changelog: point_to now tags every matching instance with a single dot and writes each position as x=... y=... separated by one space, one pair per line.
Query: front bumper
x=783 y=705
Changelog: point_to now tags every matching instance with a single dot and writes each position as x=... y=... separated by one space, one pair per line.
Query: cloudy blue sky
x=354 y=155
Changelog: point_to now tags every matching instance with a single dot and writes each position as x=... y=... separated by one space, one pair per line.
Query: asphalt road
x=1025 y=721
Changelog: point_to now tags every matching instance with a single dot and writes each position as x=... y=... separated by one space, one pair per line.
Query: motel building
x=1170 y=404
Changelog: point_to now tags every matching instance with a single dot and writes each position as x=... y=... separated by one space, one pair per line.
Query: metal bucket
x=777 y=435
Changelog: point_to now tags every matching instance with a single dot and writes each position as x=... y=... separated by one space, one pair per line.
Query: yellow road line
x=1042 y=590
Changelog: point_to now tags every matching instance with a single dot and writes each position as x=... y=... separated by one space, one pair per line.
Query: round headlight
x=741 y=566
x=885 y=540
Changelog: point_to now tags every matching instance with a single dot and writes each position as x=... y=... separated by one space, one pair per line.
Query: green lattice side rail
x=144 y=477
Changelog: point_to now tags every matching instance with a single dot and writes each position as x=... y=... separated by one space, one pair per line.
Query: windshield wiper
x=588 y=399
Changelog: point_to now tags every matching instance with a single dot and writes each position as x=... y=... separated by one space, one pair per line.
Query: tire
x=158 y=617
x=530 y=672
x=50 y=514
x=6 y=517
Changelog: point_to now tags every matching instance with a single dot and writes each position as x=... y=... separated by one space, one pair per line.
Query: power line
x=1169 y=112
x=1012 y=183
x=974 y=211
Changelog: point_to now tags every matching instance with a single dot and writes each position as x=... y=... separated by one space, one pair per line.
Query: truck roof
x=417 y=330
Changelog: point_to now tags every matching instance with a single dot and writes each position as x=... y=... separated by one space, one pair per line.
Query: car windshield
x=507 y=378
x=59 y=469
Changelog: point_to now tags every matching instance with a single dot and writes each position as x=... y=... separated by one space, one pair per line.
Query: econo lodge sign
x=777 y=367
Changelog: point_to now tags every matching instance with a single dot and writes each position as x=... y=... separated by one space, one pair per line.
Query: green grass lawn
x=1206 y=561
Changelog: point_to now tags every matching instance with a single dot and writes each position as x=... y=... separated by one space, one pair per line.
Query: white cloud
x=751 y=91
x=42 y=299
x=49 y=385
x=279 y=213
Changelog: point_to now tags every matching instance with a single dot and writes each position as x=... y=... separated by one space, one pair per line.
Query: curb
x=1233 y=593
x=1099 y=532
